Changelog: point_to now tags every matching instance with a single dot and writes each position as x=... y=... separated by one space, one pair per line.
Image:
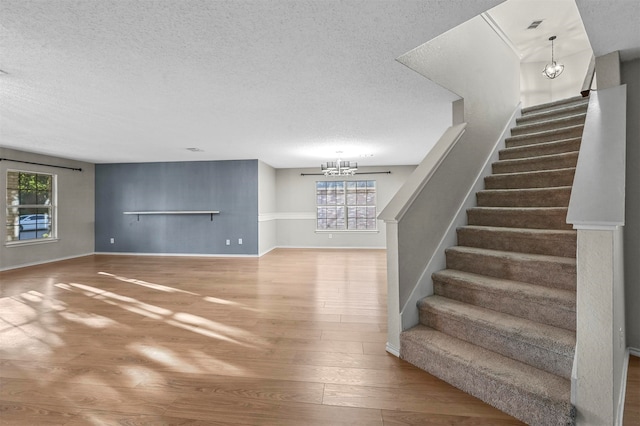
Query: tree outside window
x=30 y=205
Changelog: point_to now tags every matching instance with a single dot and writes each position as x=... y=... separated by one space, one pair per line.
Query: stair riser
x=555 y=106
x=531 y=408
x=489 y=338
x=551 y=162
x=542 y=311
x=549 y=179
x=538 y=272
x=564 y=246
x=525 y=198
x=533 y=219
x=540 y=116
x=566 y=133
x=549 y=148
x=557 y=123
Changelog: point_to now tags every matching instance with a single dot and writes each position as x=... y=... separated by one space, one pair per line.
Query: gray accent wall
x=228 y=186
x=630 y=75
x=75 y=215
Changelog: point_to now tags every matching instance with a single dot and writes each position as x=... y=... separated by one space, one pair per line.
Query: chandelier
x=339 y=168
x=553 y=69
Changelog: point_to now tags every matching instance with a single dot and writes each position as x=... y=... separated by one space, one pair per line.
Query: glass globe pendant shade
x=553 y=69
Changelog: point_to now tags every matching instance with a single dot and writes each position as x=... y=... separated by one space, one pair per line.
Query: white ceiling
x=287 y=82
x=559 y=18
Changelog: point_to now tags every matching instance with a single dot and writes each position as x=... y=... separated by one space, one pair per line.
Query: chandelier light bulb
x=339 y=167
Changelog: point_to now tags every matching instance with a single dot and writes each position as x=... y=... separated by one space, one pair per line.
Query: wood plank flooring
x=296 y=337
x=631 y=415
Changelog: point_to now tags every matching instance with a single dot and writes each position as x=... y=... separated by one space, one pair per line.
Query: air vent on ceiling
x=534 y=25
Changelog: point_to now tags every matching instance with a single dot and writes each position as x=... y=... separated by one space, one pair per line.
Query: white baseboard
x=266 y=251
x=331 y=248
x=393 y=350
x=42 y=262
x=114 y=253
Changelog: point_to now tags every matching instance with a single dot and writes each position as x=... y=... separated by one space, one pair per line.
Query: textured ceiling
x=616 y=24
x=287 y=82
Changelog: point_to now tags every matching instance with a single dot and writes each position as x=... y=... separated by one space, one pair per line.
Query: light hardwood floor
x=296 y=337
x=631 y=415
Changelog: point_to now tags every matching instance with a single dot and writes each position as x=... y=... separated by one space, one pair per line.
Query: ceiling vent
x=534 y=25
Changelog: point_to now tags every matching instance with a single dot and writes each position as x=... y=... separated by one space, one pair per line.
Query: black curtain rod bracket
x=76 y=169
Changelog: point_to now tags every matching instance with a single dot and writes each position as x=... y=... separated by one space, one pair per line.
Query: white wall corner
x=457 y=112
x=608 y=70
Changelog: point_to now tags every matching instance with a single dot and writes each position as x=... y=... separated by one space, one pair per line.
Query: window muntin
x=346 y=205
x=30 y=206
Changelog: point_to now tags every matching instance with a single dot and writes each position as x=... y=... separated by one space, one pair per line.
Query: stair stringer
x=409 y=314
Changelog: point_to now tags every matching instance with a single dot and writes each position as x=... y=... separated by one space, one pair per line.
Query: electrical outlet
x=112 y=240
x=240 y=241
x=228 y=242
x=330 y=235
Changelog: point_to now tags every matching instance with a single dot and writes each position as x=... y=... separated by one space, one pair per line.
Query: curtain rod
x=42 y=164
x=363 y=173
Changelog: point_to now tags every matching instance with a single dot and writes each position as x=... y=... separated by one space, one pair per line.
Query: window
x=30 y=206
x=346 y=205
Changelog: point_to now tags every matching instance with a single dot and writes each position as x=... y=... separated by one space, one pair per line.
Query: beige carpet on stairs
x=501 y=324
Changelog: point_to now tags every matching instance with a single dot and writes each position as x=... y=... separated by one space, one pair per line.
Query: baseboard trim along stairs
x=501 y=323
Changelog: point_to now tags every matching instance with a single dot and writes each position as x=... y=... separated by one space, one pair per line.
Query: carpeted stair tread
x=551 y=123
x=538 y=149
x=551 y=242
x=527 y=393
x=534 y=179
x=549 y=271
x=545 y=136
x=539 y=345
x=545 y=305
x=528 y=197
x=543 y=162
x=555 y=105
x=549 y=113
x=519 y=217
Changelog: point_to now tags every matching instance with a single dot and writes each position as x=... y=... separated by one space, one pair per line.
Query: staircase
x=501 y=324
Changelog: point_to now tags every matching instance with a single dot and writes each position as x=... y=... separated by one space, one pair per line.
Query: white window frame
x=346 y=207
x=52 y=208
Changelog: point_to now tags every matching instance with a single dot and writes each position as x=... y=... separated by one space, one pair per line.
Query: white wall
x=537 y=89
x=296 y=208
x=76 y=207
x=489 y=102
x=267 y=227
x=631 y=77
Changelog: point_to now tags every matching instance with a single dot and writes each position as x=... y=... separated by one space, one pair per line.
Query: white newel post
x=393 y=289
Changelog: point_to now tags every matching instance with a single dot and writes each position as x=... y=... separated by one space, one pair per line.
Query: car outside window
x=30 y=206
